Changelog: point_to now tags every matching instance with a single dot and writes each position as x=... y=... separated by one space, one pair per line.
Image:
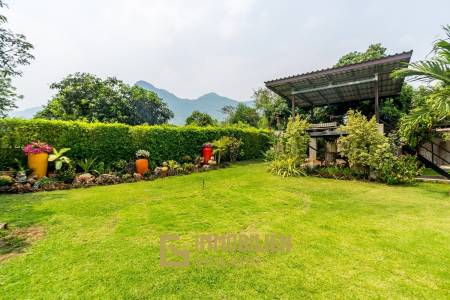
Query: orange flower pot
x=141 y=166
x=38 y=163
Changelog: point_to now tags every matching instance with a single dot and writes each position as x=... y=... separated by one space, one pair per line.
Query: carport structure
x=370 y=80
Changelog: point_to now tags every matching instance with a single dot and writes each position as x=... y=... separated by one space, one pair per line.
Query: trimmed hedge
x=112 y=142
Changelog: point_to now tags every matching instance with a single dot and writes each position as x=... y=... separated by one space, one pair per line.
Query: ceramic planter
x=141 y=165
x=38 y=162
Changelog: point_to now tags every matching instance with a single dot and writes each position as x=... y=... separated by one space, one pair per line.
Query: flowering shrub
x=37 y=147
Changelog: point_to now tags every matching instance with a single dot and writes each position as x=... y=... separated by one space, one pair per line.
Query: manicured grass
x=350 y=239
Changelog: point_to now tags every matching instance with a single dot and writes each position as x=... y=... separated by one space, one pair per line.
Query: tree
x=242 y=114
x=83 y=96
x=273 y=107
x=14 y=52
x=435 y=108
x=374 y=51
x=200 y=119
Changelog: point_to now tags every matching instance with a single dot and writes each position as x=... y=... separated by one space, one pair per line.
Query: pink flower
x=37 y=147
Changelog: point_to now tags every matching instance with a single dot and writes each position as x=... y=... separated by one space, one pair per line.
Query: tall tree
x=83 y=96
x=242 y=114
x=14 y=52
x=374 y=51
x=273 y=107
x=200 y=119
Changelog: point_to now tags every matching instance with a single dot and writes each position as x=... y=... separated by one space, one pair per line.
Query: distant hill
x=210 y=103
x=26 y=113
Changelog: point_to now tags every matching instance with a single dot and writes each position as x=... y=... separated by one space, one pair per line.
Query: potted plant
x=142 y=161
x=207 y=152
x=37 y=153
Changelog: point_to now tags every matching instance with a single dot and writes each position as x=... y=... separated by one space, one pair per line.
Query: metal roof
x=343 y=84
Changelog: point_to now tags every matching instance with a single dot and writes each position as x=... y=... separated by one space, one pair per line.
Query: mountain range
x=210 y=103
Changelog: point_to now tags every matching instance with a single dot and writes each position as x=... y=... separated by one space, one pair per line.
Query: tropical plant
x=435 y=110
x=58 y=158
x=286 y=167
x=87 y=164
x=221 y=147
x=436 y=68
x=142 y=154
x=67 y=173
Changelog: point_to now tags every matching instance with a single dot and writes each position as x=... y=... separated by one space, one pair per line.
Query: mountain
x=26 y=113
x=210 y=103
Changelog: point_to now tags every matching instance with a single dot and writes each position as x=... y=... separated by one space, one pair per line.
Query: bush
x=113 y=142
x=286 y=167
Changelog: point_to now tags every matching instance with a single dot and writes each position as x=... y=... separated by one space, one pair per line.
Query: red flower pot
x=207 y=152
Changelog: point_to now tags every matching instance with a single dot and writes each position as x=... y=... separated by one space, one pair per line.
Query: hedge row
x=113 y=142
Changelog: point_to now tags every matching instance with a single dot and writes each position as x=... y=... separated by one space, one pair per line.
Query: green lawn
x=350 y=239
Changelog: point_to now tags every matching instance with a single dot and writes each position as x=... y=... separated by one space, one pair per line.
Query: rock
x=3 y=226
x=21 y=188
x=84 y=179
x=137 y=176
x=32 y=179
x=158 y=171
x=127 y=178
x=21 y=177
x=107 y=179
x=206 y=167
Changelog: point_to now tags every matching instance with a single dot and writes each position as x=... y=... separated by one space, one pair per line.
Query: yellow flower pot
x=38 y=163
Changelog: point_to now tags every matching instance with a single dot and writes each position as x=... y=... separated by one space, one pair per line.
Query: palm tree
x=435 y=69
x=418 y=125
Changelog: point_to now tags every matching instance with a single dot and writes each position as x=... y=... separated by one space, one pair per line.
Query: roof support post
x=377 y=104
x=293 y=106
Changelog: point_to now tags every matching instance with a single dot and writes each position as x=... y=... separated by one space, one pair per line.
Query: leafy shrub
x=86 y=164
x=66 y=174
x=112 y=142
x=5 y=180
x=227 y=145
x=286 y=167
x=368 y=150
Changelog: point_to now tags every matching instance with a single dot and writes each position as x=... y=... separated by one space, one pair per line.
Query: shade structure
x=356 y=82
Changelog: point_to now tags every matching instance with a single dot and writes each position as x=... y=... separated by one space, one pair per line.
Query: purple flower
x=37 y=147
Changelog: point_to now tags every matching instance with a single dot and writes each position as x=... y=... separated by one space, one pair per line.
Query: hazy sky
x=194 y=47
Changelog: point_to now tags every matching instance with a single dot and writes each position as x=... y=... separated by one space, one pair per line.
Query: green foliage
x=87 y=164
x=288 y=152
x=58 y=158
x=66 y=174
x=5 y=180
x=274 y=108
x=432 y=108
x=242 y=114
x=227 y=145
x=15 y=51
x=361 y=141
x=435 y=69
x=83 y=96
x=296 y=139
x=368 y=150
x=200 y=119
x=286 y=166
x=374 y=51
x=392 y=168
x=112 y=142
